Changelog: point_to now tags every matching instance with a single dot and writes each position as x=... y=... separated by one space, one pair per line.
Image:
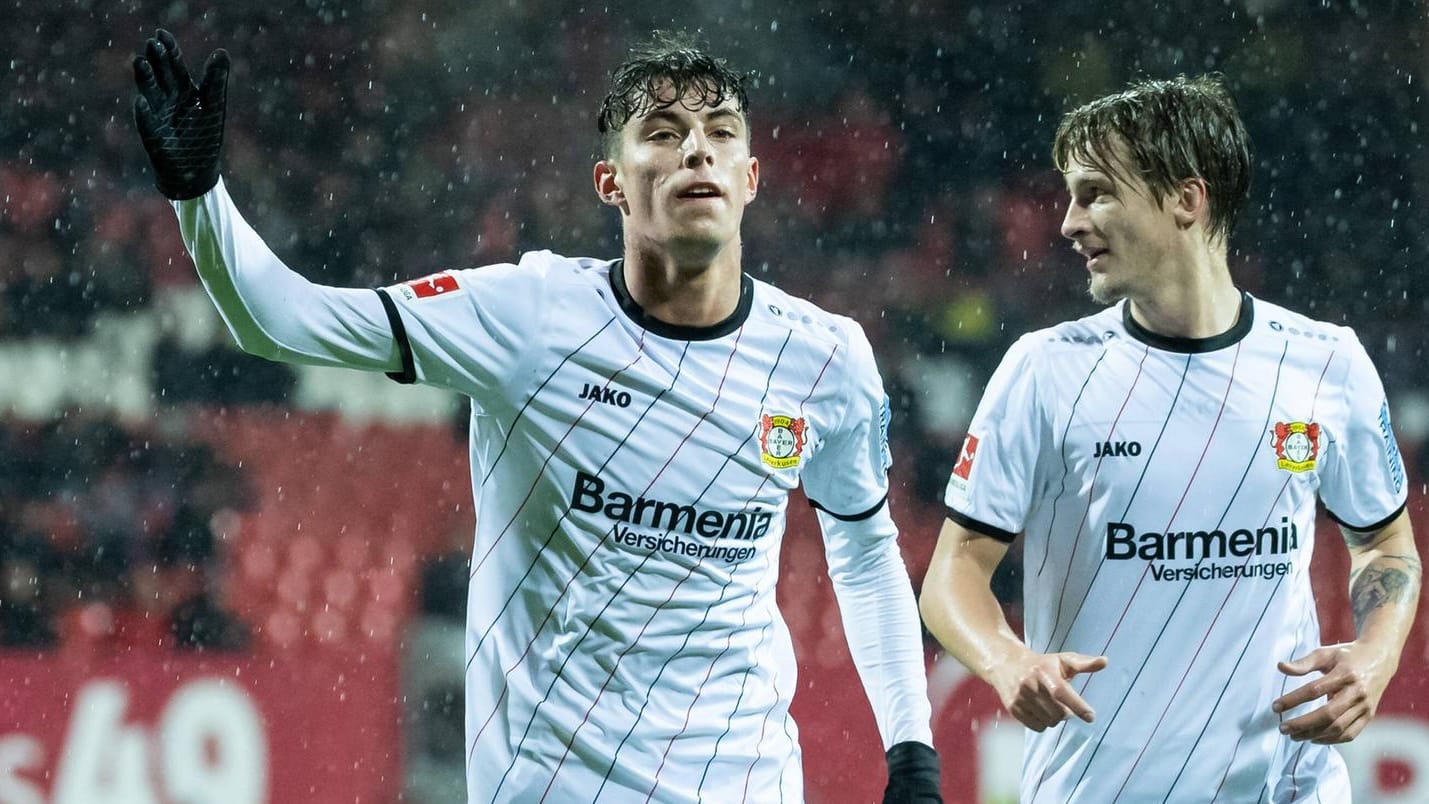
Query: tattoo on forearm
x=1388 y=580
x=1358 y=538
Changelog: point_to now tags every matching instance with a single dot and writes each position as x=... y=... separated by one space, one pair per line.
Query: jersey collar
x=1239 y=330
x=680 y=332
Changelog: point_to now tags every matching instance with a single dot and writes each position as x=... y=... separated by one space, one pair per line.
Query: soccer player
x=637 y=426
x=1162 y=460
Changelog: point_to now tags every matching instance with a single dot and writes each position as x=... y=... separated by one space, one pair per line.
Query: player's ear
x=1191 y=202
x=751 y=179
x=607 y=183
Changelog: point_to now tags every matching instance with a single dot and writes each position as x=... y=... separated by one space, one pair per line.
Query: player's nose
x=1076 y=222
x=697 y=150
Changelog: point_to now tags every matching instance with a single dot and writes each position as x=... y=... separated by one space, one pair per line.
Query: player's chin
x=1103 y=290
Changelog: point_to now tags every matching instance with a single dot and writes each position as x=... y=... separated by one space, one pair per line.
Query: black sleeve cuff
x=977 y=526
x=408 y=374
x=913 y=776
x=858 y=517
x=1371 y=528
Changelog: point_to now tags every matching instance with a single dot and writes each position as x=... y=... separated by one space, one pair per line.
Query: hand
x=180 y=124
x=1035 y=689
x=912 y=775
x=1353 y=682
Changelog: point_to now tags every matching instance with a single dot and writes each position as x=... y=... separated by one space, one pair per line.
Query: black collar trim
x=680 y=332
x=1192 y=346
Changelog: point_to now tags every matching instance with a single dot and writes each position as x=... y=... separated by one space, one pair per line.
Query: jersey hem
x=408 y=374
x=979 y=526
x=858 y=517
x=1370 y=528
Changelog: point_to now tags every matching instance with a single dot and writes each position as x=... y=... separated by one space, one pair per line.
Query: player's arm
x=959 y=608
x=1385 y=577
x=272 y=311
x=880 y=618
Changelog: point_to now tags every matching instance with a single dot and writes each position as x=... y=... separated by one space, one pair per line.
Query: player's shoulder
x=1087 y=335
x=780 y=310
x=1274 y=322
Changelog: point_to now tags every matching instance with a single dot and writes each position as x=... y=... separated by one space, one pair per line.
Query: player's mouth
x=700 y=191
x=1092 y=256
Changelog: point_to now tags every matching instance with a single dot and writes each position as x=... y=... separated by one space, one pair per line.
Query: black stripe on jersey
x=1150 y=456
x=768 y=632
x=517 y=587
x=575 y=647
x=1368 y=528
x=1250 y=638
x=1192 y=346
x=978 y=526
x=768 y=381
x=1066 y=469
x=858 y=517
x=408 y=374
x=1101 y=740
x=680 y=332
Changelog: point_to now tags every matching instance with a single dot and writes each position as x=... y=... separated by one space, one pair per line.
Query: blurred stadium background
x=229 y=581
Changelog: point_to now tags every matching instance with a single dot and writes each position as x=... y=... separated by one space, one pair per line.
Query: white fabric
x=623 y=638
x=1092 y=443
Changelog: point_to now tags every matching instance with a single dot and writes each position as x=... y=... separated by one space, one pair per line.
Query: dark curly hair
x=666 y=69
x=1172 y=130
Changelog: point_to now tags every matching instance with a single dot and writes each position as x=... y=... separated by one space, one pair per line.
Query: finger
x=176 y=59
x=1318 y=659
x=213 y=91
x=1074 y=703
x=1081 y=663
x=144 y=80
x=1345 y=728
x=157 y=56
x=1312 y=724
x=1319 y=688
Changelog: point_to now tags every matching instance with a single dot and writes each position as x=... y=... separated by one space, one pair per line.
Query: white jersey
x=1166 y=489
x=631 y=481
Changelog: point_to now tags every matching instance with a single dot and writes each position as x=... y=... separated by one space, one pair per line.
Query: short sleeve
x=1362 y=482
x=848 y=478
x=466 y=330
x=991 y=487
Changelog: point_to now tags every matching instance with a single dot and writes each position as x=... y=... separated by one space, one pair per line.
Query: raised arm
x=960 y=610
x=1385 y=577
x=271 y=311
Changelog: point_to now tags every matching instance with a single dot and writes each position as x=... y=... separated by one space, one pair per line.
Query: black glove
x=181 y=124
x=912 y=775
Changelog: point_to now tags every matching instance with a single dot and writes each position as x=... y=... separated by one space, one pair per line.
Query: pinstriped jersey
x=631 y=479
x=1166 y=489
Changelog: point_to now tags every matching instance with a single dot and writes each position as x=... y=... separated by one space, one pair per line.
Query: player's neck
x=1197 y=299
x=689 y=295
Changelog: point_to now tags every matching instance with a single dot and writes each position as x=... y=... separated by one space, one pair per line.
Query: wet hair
x=1171 y=130
x=669 y=66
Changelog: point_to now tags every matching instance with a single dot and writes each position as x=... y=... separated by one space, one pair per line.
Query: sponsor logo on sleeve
x=430 y=287
x=885 y=417
x=1296 y=444
x=963 y=469
x=1391 y=448
x=781 y=440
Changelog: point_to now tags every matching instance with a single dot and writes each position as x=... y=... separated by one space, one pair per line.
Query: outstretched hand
x=1352 y=684
x=180 y=123
x=1036 y=689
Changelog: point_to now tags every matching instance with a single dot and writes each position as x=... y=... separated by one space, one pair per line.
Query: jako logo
x=605 y=396
x=1117 y=449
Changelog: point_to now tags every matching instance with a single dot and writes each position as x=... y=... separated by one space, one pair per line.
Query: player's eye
x=723 y=134
x=663 y=135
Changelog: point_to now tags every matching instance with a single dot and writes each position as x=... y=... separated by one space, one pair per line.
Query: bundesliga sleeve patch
x=1297 y=445
x=963 y=469
x=430 y=287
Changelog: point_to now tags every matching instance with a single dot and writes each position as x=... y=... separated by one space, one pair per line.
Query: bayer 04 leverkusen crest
x=781 y=440
x=1297 y=445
